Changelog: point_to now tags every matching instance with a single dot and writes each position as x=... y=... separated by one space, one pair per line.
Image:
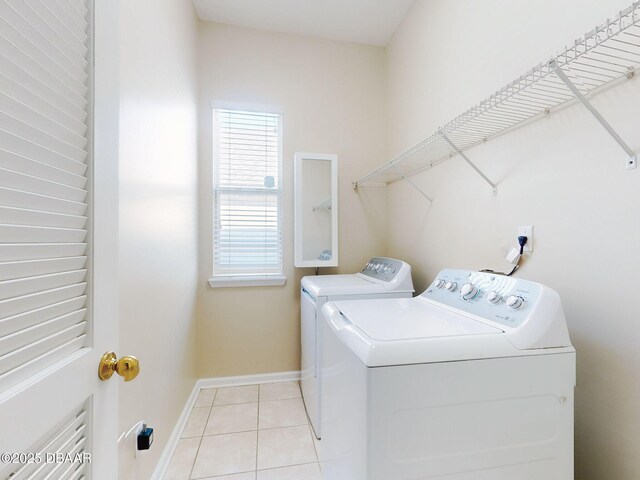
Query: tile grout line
x=257 y=432
x=262 y=401
x=193 y=464
x=222 y=476
x=287 y=466
x=250 y=430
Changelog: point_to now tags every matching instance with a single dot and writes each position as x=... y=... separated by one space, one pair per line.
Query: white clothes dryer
x=380 y=278
x=472 y=380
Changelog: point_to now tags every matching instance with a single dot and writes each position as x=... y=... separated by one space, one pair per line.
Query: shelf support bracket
x=410 y=182
x=473 y=165
x=632 y=160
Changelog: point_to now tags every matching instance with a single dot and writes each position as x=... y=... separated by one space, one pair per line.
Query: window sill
x=247 y=281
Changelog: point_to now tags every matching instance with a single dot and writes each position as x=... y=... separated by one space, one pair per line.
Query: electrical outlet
x=527 y=231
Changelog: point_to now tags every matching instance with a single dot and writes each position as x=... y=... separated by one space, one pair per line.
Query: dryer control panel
x=382 y=268
x=498 y=298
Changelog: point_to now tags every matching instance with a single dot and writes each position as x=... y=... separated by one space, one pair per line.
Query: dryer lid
x=345 y=284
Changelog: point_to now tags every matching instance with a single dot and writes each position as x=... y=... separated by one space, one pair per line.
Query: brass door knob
x=127 y=367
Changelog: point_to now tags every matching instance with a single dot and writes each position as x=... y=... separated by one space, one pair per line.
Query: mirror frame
x=299 y=262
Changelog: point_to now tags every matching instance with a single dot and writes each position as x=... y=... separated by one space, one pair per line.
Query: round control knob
x=451 y=286
x=468 y=291
x=493 y=297
x=514 y=302
x=439 y=283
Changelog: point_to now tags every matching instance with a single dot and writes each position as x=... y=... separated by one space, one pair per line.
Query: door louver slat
x=30 y=183
x=34 y=251
x=21 y=199
x=28 y=166
x=16 y=305
x=26 y=286
x=29 y=234
x=31 y=268
x=27 y=319
x=22 y=216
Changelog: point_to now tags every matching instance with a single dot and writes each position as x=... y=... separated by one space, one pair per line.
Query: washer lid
x=408 y=319
x=388 y=332
x=345 y=284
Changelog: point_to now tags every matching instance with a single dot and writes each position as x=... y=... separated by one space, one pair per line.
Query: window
x=247 y=191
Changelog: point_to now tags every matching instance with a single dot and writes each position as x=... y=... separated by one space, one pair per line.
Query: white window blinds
x=247 y=193
x=44 y=124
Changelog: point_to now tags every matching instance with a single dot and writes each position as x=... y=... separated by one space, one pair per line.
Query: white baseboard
x=167 y=453
x=248 y=379
x=163 y=462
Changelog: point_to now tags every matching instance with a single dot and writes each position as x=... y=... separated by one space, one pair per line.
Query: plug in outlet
x=527 y=231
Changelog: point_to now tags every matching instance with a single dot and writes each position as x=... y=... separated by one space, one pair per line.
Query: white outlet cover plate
x=527 y=231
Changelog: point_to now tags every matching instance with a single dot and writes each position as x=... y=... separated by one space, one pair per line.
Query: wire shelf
x=598 y=59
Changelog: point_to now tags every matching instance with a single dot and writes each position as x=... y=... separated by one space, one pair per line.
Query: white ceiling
x=363 y=21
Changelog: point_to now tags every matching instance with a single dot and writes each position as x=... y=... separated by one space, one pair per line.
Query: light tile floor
x=255 y=432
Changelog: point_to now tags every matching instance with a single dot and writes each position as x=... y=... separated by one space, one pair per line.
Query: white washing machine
x=472 y=380
x=380 y=278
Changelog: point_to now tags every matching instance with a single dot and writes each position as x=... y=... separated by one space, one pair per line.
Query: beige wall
x=333 y=97
x=562 y=174
x=158 y=241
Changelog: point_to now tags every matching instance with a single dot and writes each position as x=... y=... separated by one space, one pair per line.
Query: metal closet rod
x=596 y=60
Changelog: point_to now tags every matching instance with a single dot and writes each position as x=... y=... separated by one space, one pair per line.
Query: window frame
x=230 y=278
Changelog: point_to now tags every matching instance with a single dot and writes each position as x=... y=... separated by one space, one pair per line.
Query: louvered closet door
x=43 y=185
x=56 y=300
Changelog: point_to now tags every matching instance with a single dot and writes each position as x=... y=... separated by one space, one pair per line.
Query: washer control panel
x=382 y=268
x=501 y=299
